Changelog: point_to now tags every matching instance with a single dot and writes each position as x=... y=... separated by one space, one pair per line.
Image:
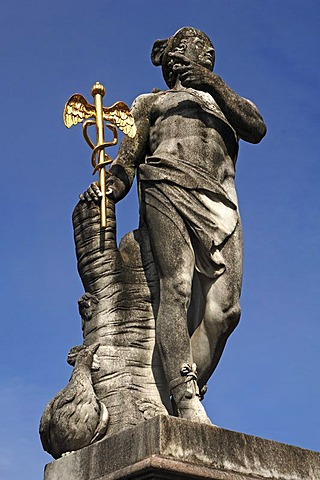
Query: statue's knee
x=222 y=319
x=233 y=316
x=176 y=289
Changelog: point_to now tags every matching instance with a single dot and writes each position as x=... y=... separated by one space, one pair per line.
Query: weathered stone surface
x=184 y=155
x=75 y=417
x=163 y=304
x=170 y=448
x=117 y=311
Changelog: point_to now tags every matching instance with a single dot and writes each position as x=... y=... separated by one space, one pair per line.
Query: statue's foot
x=192 y=409
x=186 y=396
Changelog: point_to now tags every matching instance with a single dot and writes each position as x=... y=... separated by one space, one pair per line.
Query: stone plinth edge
x=171 y=448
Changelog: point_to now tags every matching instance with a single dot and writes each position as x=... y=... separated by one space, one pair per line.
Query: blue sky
x=267 y=383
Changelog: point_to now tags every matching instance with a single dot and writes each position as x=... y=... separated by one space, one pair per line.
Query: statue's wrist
x=118 y=170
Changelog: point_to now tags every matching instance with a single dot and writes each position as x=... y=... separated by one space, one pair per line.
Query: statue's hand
x=115 y=188
x=191 y=74
x=92 y=194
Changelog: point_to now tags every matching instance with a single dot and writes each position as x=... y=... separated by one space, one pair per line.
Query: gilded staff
x=77 y=109
x=98 y=92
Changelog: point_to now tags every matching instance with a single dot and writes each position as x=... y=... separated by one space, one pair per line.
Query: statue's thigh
x=223 y=294
x=170 y=243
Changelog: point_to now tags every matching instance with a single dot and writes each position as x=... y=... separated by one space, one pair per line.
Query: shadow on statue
x=163 y=304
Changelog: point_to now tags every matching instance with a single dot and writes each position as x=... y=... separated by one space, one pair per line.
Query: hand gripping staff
x=77 y=109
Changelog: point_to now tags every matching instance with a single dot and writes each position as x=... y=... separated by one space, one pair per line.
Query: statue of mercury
x=184 y=155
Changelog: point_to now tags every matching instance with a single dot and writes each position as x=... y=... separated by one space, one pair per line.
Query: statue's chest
x=185 y=103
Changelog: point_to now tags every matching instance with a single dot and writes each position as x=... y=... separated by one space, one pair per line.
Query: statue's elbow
x=257 y=132
x=261 y=131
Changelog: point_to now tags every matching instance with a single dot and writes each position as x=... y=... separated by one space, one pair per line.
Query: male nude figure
x=185 y=152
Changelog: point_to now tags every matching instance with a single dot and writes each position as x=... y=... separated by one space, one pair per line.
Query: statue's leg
x=175 y=262
x=174 y=259
x=222 y=310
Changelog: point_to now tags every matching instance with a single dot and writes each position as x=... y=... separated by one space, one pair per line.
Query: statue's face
x=196 y=49
x=194 y=45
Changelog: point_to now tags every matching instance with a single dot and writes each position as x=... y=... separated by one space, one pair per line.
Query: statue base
x=168 y=448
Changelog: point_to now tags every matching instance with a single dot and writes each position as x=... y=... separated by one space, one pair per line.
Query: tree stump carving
x=118 y=311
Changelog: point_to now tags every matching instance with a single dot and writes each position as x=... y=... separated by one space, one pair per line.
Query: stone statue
x=75 y=417
x=163 y=304
x=185 y=154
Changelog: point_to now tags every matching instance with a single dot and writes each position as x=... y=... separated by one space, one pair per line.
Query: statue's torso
x=188 y=125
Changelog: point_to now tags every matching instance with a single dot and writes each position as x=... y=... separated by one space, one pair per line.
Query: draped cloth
x=188 y=196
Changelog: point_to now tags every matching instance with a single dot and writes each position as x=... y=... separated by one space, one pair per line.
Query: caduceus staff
x=77 y=109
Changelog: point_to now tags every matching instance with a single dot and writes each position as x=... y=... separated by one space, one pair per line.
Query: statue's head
x=189 y=41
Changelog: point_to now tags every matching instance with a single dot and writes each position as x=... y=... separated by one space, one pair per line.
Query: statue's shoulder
x=142 y=100
x=146 y=101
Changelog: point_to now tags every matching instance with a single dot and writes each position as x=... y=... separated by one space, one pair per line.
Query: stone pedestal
x=171 y=448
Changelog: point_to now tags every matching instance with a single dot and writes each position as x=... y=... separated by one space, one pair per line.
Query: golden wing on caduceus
x=120 y=114
x=77 y=109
